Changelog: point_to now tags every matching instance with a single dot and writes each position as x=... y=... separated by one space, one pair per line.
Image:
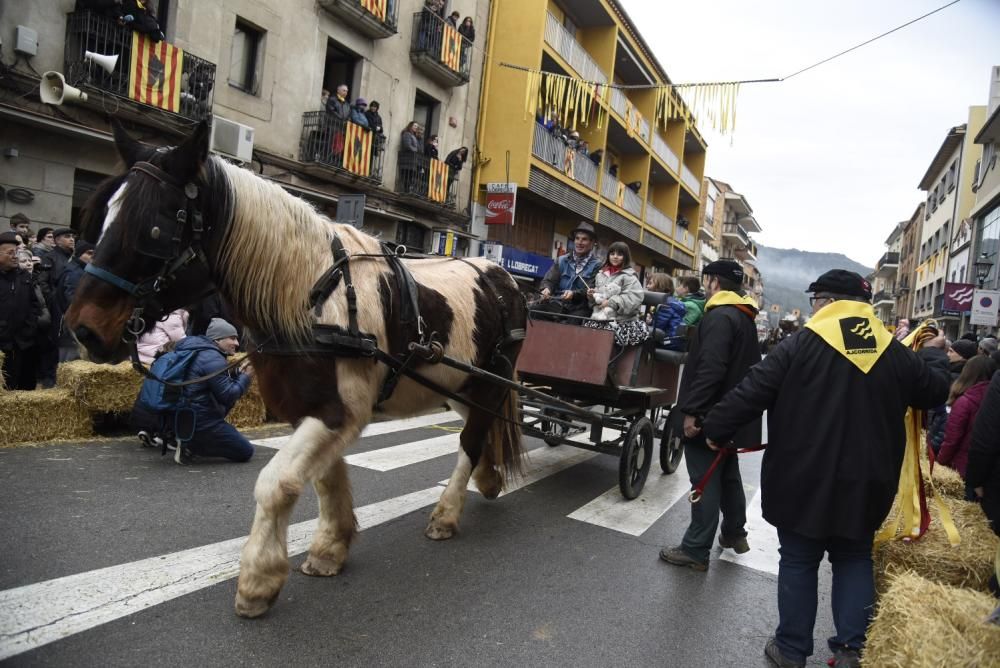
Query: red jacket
x=958 y=433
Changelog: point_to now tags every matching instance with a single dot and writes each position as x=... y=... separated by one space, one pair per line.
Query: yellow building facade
x=646 y=187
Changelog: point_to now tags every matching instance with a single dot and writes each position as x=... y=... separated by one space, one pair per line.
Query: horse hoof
x=252 y=608
x=437 y=531
x=319 y=567
x=490 y=493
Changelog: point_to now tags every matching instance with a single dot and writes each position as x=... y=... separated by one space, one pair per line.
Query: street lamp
x=983 y=267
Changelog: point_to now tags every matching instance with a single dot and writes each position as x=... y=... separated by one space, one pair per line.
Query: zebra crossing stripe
x=612 y=511
x=379 y=428
x=397 y=456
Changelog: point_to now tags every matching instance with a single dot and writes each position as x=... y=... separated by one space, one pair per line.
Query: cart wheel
x=671 y=448
x=637 y=455
x=656 y=417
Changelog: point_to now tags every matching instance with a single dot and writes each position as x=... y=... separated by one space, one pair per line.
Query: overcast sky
x=829 y=160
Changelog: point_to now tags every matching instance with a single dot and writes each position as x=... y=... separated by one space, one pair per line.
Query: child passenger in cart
x=617 y=297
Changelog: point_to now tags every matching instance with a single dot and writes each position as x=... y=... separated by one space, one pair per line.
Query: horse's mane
x=275 y=248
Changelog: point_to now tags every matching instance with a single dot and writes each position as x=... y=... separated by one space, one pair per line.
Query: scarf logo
x=858 y=336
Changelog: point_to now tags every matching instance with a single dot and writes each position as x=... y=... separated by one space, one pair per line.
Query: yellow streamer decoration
x=906 y=523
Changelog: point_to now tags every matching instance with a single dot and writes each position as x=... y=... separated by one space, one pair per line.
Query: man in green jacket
x=688 y=290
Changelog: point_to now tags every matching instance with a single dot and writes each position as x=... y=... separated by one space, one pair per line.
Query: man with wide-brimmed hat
x=836 y=393
x=723 y=349
x=565 y=285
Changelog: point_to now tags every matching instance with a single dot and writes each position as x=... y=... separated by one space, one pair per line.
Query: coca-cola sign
x=500 y=201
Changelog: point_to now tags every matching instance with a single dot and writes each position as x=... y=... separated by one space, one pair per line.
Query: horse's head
x=151 y=241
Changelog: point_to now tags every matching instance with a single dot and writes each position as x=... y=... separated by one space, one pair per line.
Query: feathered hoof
x=437 y=530
x=251 y=608
x=319 y=567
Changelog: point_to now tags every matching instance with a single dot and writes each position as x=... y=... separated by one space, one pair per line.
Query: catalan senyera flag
x=568 y=162
x=620 y=197
x=375 y=7
x=451 y=48
x=437 y=185
x=155 y=73
x=357 y=150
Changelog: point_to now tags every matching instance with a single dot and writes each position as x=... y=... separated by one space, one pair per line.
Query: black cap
x=842 y=282
x=82 y=247
x=61 y=232
x=8 y=238
x=967 y=349
x=729 y=269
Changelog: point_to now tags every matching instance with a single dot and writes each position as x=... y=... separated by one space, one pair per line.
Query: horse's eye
x=155 y=232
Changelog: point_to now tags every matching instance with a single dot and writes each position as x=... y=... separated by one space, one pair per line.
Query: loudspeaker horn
x=107 y=63
x=54 y=90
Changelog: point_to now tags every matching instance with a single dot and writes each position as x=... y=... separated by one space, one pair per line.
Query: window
x=244 y=57
x=425 y=112
x=951 y=176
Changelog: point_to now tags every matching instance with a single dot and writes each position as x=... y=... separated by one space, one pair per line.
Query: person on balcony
x=453 y=19
x=409 y=156
x=358 y=116
x=431 y=147
x=455 y=161
x=635 y=186
x=338 y=106
x=467 y=30
x=375 y=119
x=583 y=148
x=597 y=156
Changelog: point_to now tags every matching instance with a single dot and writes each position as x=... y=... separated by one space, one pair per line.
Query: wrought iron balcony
x=426 y=179
x=374 y=18
x=439 y=51
x=883 y=298
x=354 y=151
x=92 y=31
x=735 y=231
x=887 y=264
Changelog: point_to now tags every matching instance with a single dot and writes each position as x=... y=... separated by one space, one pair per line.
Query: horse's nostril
x=84 y=335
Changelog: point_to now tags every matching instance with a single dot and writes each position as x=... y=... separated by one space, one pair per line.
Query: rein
x=694 y=496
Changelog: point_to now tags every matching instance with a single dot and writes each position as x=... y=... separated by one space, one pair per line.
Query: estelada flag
x=155 y=73
x=376 y=7
x=451 y=48
x=437 y=186
x=357 y=150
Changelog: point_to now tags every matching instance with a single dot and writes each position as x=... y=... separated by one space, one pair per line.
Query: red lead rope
x=694 y=496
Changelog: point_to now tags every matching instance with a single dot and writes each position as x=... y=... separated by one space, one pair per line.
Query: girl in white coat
x=617 y=296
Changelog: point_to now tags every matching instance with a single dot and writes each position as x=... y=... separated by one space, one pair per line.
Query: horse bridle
x=161 y=239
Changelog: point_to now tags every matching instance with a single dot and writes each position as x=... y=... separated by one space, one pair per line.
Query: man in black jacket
x=20 y=310
x=836 y=393
x=722 y=351
x=983 y=470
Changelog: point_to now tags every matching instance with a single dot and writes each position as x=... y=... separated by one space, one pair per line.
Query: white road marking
x=396 y=456
x=763 y=539
x=37 y=614
x=613 y=511
x=379 y=428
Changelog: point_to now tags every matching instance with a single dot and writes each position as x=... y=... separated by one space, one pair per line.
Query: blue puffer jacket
x=212 y=399
x=668 y=316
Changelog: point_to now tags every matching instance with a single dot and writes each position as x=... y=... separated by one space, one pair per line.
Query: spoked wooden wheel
x=671 y=448
x=637 y=455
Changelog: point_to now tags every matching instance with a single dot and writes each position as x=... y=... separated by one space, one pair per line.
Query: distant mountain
x=787 y=272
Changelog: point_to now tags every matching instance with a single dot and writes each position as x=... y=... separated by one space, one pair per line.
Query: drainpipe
x=483 y=108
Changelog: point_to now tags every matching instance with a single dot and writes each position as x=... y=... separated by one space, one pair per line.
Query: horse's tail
x=505 y=449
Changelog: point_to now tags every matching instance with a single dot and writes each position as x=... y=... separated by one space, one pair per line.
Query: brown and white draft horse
x=264 y=250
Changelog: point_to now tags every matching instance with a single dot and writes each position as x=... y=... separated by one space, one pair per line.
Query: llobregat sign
x=500 y=201
x=518 y=261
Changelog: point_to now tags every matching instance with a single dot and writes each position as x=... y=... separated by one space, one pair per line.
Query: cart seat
x=670 y=356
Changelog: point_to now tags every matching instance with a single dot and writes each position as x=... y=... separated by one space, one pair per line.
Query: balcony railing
x=609 y=187
x=684 y=237
x=631 y=202
x=553 y=150
x=426 y=179
x=92 y=31
x=645 y=129
x=658 y=220
x=344 y=146
x=690 y=180
x=439 y=50
x=374 y=18
x=619 y=102
x=572 y=52
x=708 y=252
x=665 y=154
x=735 y=230
x=883 y=296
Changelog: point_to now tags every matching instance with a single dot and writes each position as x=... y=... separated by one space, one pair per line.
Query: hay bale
x=948 y=482
x=41 y=415
x=923 y=623
x=249 y=411
x=3 y=385
x=101 y=388
x=968 y=564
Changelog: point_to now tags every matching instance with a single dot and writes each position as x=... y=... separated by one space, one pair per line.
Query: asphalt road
x=560 y=572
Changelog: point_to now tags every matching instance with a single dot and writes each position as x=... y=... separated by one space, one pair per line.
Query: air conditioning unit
x=231 y=139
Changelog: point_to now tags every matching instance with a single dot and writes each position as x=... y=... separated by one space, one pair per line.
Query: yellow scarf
x=852 y=329
x=729 y=298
